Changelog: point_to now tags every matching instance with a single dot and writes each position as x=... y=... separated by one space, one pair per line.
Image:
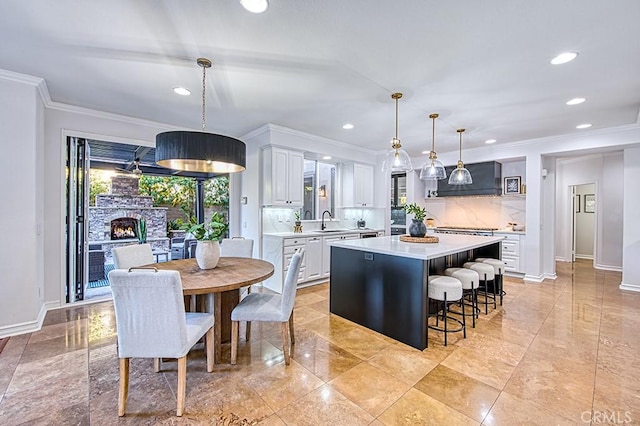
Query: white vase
x=207 y=254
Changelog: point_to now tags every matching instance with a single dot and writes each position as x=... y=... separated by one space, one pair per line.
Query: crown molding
x=37 y=82
x=320 y=139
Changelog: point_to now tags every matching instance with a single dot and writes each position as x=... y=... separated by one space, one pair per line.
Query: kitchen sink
x=333 y=230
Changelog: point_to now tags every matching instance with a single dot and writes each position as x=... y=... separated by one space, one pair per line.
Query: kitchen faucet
x=323 y=226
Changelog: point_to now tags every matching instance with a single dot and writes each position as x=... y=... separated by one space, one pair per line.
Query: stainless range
x=487 y=232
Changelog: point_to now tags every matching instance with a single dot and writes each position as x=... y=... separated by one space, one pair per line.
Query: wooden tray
x=427 y=239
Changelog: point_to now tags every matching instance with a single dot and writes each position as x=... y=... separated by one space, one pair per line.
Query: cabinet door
x=279 y=177
x=363 y=185
x=313 y=256
x=326 y=255
x=295 y=179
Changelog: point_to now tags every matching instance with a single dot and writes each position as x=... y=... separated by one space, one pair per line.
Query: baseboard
x=534 y=278
x=608 y=268
x=584 y=256
x=630 y=287
x=550 y=276
x=25 y=327
x=562 y=259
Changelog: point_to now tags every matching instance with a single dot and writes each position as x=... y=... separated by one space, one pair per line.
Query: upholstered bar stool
x=470 y=281
x=486 y=273
x=446 y=290
x=498 y=270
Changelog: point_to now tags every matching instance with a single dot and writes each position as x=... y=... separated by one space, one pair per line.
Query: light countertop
x=316 y=233
x=391 y=245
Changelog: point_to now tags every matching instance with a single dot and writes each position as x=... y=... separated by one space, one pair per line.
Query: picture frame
x=576 y=203
x=512 y=185
x=589 y=203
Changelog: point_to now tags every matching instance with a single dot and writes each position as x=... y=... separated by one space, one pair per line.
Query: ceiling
x=316 y=65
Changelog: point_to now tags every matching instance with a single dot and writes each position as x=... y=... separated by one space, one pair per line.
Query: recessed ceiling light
x=326 y=157
x=182 y=91
x=348 y=126
x=576 y=101
x=583 y=126
x=563 y=58
x=255 y=6
x=425 y=152
x=490 y=141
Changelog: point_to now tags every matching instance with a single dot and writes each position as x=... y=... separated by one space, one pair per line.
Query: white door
x=313 y=256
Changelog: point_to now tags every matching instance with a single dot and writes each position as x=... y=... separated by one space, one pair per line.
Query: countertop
x=317 y=233
x=505 y=231
x=449 y=244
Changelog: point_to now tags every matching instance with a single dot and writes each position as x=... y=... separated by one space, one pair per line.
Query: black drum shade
x=200 y=152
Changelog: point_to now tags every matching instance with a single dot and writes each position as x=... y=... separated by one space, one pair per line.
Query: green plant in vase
x=297 y=216
x=209 y=236
x=417 y=227
x=141 y=231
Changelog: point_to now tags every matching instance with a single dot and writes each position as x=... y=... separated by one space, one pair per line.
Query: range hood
x=487 y=180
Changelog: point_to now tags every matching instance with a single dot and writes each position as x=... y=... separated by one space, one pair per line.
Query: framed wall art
x=589 y=203
x=512 y=185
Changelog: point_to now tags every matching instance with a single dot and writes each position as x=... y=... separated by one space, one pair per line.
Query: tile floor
x=561 y=352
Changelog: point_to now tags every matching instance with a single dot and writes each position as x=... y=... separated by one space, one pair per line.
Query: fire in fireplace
x=123 y=228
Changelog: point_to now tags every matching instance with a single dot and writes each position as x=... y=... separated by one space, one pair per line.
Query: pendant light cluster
x=433 y=168
x=200 y=151
x=397 y=159
x=460 y=176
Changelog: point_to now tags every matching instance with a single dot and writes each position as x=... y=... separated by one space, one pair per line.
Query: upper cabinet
x=487 y=180
x=357 y=185
x=283 y=177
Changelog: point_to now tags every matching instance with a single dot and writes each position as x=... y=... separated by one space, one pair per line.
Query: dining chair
x=237 y=247
x=131 y=256
x=152 y=323
x=268 y=307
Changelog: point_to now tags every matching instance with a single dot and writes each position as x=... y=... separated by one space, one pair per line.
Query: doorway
x=584 y=222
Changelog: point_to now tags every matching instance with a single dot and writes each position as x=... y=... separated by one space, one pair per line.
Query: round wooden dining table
x=220 y=286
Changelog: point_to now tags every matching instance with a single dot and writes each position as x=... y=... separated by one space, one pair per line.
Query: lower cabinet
x=512 y=252
x=315 y=264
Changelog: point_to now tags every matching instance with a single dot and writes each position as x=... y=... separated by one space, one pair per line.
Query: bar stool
x=498 y=269
x=446 y=290
x=470 y=282
x=486 y=273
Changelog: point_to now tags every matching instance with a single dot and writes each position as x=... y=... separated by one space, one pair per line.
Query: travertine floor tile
x=417 y=408
x=511 y=410
x=403 y=362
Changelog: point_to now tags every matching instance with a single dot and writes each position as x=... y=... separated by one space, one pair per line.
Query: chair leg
x=234 y=341
x=285 y=343
x=209 y=348
x=486 y=296
x=444 y=317
x=247 y=334
x=123 y=389
x=291 y=334
x=182 y=384
x=464 y=321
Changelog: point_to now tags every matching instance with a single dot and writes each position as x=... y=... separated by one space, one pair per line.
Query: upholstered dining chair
x=133 y=255
x=269 y=308
x=237 y=247
x=152 y=323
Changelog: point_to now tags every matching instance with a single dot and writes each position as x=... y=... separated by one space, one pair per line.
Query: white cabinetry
x=313 y=256
x=512 y=252
x=326 y=250
x=357 y=185
x=283 y=172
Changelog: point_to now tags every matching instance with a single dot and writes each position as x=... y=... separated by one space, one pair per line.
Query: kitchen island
x=381 y=283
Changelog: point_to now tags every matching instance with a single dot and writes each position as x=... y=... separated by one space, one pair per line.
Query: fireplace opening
x=123 y=228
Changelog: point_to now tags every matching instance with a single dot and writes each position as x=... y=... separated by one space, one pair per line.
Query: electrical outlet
x=280 y=218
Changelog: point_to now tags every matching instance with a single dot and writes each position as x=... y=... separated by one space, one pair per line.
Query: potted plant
x=141 y=231
x=297 y=216
x=209 y=236
x=417 y=227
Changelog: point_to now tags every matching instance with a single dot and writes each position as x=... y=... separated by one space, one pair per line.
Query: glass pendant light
x=397 y=159
x=460 y=176
x=433 y=168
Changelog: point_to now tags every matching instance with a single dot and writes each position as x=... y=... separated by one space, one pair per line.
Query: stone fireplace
x=113 y=220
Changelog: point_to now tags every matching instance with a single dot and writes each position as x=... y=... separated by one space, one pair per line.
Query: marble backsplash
x=484 y=212
x=282 y=219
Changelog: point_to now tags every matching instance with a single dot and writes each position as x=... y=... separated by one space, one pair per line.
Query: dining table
x=220 y=287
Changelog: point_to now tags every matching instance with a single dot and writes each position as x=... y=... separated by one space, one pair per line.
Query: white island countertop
x=449 y=244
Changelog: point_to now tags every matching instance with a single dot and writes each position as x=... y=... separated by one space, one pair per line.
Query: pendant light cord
x=396 y=118
x=460 y=157
x=204 y=76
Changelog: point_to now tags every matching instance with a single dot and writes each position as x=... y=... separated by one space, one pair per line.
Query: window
x=319 y=184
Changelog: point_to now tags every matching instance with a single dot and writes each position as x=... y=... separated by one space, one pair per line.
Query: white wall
x=631 y=239
x=606 y=172
x=585 y=223
x=21 y=269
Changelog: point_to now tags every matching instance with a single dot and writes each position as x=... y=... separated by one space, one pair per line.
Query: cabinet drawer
x=511 y=247
x=512 y=263
x=294 y=241
x=287 y=260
